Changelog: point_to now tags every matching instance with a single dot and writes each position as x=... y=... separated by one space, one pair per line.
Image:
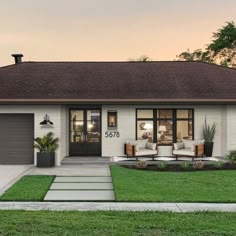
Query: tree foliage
x=221 y=51
x=196 y=55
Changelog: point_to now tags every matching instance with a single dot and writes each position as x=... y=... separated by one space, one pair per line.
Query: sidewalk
x=113 y=206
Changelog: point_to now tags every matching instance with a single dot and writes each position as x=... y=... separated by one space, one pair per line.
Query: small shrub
x=219 y=164
x=232 y=156
x=141 y=164
x=184 y=165
x=162 y=165
x=198 y=165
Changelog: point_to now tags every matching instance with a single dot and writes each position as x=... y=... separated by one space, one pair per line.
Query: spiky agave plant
x=47 y=143
x=209 y=132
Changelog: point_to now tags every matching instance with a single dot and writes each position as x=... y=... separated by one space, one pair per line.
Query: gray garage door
x=16 y=138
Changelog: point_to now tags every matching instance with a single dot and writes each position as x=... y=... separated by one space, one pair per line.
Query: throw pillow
x=151 y=146
x=178 y=146
x=136 y=147
x=187 y=143
x=141 y=143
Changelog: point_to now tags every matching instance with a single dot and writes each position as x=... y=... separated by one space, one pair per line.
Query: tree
x=141 y=59
x=196 y=55
x=221 y=51
x=223 y=46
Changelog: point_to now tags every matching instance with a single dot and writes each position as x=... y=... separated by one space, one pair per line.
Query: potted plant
x=209 y=132
x=46 y=147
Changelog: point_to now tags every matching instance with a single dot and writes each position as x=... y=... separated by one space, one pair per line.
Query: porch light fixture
x=46 y=121
x=112 y=119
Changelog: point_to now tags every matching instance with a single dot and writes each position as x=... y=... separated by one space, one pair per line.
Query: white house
x=95 y=107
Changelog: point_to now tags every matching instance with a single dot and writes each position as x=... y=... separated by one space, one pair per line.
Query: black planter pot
x=45 y=159
x=208 y=149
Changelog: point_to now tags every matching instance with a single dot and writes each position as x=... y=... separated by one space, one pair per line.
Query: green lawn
x=116 y=223
x=28 y=188
x=152 y=186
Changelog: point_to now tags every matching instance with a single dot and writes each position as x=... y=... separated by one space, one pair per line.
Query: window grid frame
x=174 y=120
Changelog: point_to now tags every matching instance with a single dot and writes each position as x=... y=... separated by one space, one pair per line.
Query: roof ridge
x=119 y=62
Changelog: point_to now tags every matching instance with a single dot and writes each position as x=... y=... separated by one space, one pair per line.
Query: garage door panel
x=16 y=138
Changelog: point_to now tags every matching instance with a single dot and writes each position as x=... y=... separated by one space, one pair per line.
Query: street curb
x=119 y=206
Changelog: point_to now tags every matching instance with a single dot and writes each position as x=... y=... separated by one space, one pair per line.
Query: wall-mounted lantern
x=112 y=119
x=46 y=121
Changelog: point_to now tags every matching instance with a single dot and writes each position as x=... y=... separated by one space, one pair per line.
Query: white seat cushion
x=144 y=151
x=186 y=151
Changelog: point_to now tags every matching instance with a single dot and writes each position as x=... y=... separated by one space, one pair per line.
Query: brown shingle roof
x=117 y=80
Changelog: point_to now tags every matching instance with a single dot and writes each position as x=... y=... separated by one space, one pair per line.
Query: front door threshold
x=85 y=160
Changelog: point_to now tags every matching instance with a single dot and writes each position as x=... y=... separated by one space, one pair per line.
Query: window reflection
x=145 y=130
x=184 y=130
x=165 y=132
x=144 y=114
x=85 y=130
x=170 y=125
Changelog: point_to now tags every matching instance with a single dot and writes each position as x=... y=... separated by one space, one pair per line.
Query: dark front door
x=85 y=132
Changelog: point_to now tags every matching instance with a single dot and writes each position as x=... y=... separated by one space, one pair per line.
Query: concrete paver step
x=85 y=179
x=80 y=195
x=78 y=186
x=74 y=170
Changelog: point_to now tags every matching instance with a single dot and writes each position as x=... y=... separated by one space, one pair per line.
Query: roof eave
x=117 y=101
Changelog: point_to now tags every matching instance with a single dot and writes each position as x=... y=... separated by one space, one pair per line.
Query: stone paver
x=96 y=179
x=80 y=195
x=81 y=186
x=113 y=206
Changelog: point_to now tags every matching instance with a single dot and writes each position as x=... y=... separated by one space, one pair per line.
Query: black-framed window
x=145 y=124
x=184 y=124
x=164 y=126
x=112 y=121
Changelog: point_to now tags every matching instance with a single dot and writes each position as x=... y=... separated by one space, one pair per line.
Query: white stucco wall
x=126 y=127
x=212 y=114
x=127 y=122
x=224 y=116
x=231 y=127
x=39 y=111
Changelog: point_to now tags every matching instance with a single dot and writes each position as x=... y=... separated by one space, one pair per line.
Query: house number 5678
x=112 y=134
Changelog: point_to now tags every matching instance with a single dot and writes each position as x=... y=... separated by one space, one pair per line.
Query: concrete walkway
x=112 y=206
x=83 y=183
x=9 y=174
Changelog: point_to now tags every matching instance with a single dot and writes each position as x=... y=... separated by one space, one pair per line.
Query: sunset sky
x=108 y=30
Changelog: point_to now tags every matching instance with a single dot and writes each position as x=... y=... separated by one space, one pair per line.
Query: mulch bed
x=179 y=168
